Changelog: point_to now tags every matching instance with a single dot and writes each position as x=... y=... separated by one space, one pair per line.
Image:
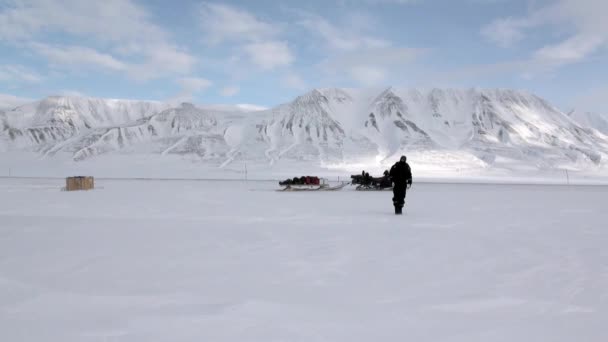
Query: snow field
x=238 y=261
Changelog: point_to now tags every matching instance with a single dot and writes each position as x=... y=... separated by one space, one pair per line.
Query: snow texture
x=238 y=261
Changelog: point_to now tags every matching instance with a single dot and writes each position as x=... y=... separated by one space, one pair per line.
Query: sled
x=322 y=186
x=372 y=188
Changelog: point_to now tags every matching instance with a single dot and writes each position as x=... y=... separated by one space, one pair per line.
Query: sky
x=266 y=52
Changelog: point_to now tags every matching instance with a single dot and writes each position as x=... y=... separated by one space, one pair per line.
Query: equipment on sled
x=308 y=183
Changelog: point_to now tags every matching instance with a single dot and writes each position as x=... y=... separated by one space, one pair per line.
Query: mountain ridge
x=323 y=125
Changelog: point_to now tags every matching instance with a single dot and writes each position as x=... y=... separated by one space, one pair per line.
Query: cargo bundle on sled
x=308 y=183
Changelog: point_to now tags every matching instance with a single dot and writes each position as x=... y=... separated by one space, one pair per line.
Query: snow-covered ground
x=238 y=261
x=426 y=167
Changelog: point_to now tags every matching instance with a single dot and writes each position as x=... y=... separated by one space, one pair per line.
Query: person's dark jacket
x=401 y=174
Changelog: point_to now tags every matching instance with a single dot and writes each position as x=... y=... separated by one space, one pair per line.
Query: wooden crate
x=79 y=183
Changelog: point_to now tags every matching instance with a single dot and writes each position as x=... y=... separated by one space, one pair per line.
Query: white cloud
x=368 y=75
x=352 y=51
x=486 y=2
x=377 y=2
x=587 y=16
x=162 y=60
x=505 y=32
x=370 y=66
x=110 y=20
x=337 y=38
x=114 y=26
x=71 y=93
x=230 y=91
x=270 y=54
x=77 y=55
x=194 y=84
x=586 y=19
x=571 y=50
x=394 y=1
x=227 y=23
x=250 y=107
x=593 y=100
x=294 y=81
x=256 y=38
x=10 y=101
x=189 y=87
x=18 y=74
x=583 y=19
x=381 y=56
x=241 y=107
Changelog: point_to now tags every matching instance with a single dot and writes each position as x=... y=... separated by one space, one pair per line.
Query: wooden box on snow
x=79 y=183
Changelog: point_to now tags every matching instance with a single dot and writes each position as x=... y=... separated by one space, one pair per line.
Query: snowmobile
x=366 y=183
x=308 y=183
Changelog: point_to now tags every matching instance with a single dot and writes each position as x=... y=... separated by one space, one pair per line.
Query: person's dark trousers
x=398 y=197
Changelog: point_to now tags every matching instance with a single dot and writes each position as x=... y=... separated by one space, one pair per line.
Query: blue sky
x=267 y=52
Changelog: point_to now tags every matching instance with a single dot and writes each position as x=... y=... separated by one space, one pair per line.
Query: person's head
x=403 y=159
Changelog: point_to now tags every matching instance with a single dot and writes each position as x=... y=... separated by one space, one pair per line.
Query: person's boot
x=397 y=210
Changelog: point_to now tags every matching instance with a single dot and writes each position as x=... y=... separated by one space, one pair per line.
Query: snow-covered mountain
x=591 y=120
x=80 y=112
x=10 y=101
x=491 y=126
x=183 y=129
x=303 y=128
x=55 y=119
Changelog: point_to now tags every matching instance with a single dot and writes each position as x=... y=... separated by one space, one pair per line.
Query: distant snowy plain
x=239 y=261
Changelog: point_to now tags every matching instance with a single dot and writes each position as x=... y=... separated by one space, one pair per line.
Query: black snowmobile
x=365 y=182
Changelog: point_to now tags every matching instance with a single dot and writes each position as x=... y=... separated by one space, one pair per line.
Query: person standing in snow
x=401 y=176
